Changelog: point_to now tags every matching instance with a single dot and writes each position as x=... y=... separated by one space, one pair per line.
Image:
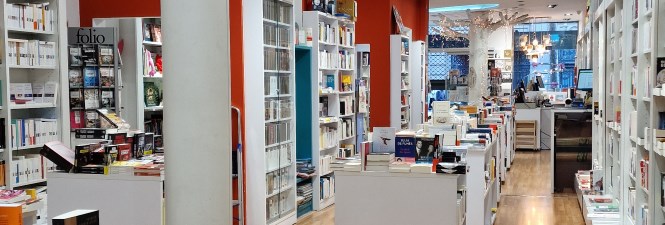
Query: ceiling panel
x=537 y=8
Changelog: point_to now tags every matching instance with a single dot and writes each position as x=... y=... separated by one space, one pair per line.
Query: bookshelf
x=363 y=92
x=628 y=147
x=418 y=76
x=400 y=82
x=269 y=107
x=333 y=86
x=46 y=74
x=306 y=96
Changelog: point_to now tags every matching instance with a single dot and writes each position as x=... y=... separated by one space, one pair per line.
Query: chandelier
x=532 y=46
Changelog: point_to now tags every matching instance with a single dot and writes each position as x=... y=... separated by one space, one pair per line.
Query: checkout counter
x=567 y=133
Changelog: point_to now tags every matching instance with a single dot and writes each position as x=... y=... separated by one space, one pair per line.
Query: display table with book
x=120 y=199
x=398 y=198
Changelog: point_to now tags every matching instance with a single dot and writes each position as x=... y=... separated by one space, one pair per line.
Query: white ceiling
x=535 y=8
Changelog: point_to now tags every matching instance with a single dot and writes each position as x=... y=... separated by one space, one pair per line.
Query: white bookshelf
x=628 y=49
x=332 y=111
x=400 y=78
x=418 y=77
x=268 y=41
x=11 y=73
x=483 y=195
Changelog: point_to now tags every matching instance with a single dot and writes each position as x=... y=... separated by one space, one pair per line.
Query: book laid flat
x=59 y=154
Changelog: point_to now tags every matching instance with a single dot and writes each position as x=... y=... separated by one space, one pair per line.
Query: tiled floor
x=525 y=197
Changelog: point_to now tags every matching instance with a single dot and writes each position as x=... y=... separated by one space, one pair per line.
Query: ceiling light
x=552 y=6
x=567 y=14
x=463 y=8
x=566 y=19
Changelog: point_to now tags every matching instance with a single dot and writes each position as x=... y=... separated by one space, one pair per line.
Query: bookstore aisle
x=525 y=197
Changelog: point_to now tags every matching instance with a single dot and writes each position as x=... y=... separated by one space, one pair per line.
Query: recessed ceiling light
x=463 y=8
x=566 y=19
x=567 y=14
x=552 y=6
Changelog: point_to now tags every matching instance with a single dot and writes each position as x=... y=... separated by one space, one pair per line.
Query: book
x=76 y=118
x=330 y=81
x=78 y=217
x=660 y=72
x=383 y=140
x=75 y=58
x=380 y=157
x=90 y=77
x=440 y=112
x=105 y=55
x=124 y=152
x=89 y=55
x=12 y=214
x=75 y=78
x=426 y=148
x=405 y=147
x=38 y=93
x=91 y=97
x=346 y=83
x=92 y=119
x=82 y=155
x=50 y=92
x=151 y=92
x=107 y=99
x=20 y=92
x=107 y=77
x=12 y=196
x=59 y=154
x=76 y=99
x=155 y=32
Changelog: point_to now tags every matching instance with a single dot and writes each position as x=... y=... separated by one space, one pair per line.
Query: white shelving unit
x=485 y=196
x=334 y=67
x=418 y=74
x=400 y=78
x=35 y=74
x=268 y=40
x=628 y=47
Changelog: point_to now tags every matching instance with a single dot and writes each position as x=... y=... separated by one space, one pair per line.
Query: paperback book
x=75 y=78
x=107 y=77
x=383 y=140
x=426 y=148
x=90 y=77
x=405 y=147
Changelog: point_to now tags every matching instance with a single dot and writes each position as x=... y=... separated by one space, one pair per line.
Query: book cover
x=76 y=119
x=405 y=148
x=12 y=214
x=92 y=120
x=75 y=56
x=383 y=140
x=107 y=99
x=117 y=138
x=105 y=55
x=75 y=78
x=107 y=77
x=330 y=81
x=440 y=112
x=124 y=152
x=76 y=99
x=90 y=77
x=426 y=148
x=91 y=97
x=660 y=72
x=89 y=55
x=82 y=155
x=50 y=92
x=346 y=83
x=138 y=145
x=38 y=93
x=152 y=97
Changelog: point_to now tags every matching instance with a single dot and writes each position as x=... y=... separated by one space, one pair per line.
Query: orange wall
x=90 y=9
x=374 y=27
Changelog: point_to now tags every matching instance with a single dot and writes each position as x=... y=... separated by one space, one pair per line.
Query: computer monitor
x=585 y=80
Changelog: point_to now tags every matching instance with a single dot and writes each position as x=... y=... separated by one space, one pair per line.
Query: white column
x=197 y=112
x=477 y=64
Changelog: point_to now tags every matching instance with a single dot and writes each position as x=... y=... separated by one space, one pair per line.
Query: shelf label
x=91 y=35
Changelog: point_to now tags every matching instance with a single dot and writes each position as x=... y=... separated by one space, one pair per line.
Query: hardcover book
x=383 y=140
x=90 y=77
x=75 y=78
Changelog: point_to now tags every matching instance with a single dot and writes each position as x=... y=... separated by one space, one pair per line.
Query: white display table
x=127 y=200
x=384 y=198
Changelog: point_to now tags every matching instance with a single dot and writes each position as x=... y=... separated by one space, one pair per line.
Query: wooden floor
x=525 y=197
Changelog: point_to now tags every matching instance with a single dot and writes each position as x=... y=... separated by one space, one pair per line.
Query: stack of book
x=602 y=208
x=421 y=168
x=304 y=194
x=379 y=161
x=400 y=167
x=347 y=164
